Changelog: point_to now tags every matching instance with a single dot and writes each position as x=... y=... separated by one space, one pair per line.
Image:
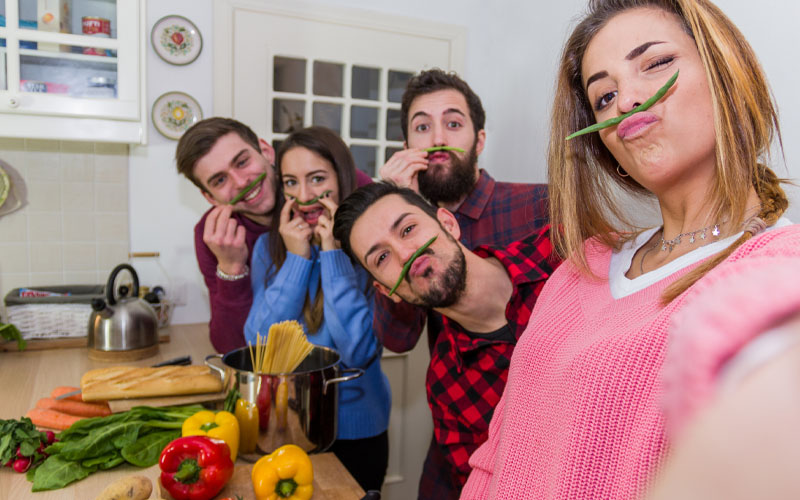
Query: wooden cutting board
x=120 y=405
x=331 y=481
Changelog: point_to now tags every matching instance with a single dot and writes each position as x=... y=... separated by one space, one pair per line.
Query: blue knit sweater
x=364 y=402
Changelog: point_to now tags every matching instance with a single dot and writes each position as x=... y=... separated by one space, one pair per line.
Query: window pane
x=389 y=152
x=3 y=70
x=365 y=83
x=397 y=85
x=328 y=115
x=289 y=75
x=287 y=115
x=328 y=79
x=98 y=18
x=364 y=157
x=394 y=131
x=363 y=122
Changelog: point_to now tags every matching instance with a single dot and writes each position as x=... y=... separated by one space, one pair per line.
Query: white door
x=279 y=69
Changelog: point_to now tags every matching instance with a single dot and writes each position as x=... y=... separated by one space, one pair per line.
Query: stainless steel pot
x=293 y=408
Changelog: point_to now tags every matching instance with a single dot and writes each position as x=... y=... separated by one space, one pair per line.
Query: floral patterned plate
x=174 y=112
x=176 y=40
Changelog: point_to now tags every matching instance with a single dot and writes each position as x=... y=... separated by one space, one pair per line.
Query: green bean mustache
x=312 y=200
x=247 y=189
x=642 y=107
x=443 y=148
x=410 y=261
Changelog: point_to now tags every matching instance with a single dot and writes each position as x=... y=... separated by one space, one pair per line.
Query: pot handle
x=217 y=369
x=355 y=373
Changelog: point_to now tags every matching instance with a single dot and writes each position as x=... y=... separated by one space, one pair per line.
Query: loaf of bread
x=127 y=382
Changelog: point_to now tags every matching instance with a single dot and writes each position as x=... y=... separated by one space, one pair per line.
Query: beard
x=439 y=185
x=447 y=290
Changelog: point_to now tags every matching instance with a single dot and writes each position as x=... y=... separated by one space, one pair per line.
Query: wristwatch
x=233 y=277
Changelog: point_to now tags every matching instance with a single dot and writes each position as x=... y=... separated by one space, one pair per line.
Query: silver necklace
x=668 y=245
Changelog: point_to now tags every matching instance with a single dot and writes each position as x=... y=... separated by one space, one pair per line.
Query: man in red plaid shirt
x=485 y=297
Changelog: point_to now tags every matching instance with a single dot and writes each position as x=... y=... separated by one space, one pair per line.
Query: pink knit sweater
x=580 y=417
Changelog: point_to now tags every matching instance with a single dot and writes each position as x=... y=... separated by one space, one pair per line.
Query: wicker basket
x=53 y=317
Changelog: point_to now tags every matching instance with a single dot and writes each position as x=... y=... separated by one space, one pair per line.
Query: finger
x=230 y=230
x=329 y=205
x=286 y=212
x=239 y=238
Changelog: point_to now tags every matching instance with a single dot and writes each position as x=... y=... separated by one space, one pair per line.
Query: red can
x=96 y=26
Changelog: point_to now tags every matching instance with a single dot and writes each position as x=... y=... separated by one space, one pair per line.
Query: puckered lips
x=636 y=125
x=439 y=157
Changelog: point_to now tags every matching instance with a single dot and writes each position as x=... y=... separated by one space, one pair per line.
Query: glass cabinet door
x=68 y=57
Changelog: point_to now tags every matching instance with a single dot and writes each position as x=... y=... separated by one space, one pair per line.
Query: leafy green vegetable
x=11 y=332
x=230 y=400
x=57 y=472
x=20 y=434
x=642 y=107
x=136 y=436
x=145 y=451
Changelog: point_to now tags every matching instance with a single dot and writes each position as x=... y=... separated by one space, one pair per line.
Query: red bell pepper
x=195 y=467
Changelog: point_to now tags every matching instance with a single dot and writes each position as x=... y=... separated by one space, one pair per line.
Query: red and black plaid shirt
x=468 y=372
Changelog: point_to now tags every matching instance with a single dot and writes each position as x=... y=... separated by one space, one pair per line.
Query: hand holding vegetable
x=195 y=467
x=286 y=473
x=225 y=238
x=404 y=167
x=324 y=227
x=295 y=232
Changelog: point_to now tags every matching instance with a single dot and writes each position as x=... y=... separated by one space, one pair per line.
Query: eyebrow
x=636 y=52
x=394 y=227
x=447 y=111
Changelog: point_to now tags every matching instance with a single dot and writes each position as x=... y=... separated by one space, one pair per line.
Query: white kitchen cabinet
x=58 y=83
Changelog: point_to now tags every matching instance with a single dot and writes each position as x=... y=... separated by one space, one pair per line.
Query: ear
x=267 y=150
x=480 y=141
x=210 y=198
x=385 y=291
x=449 y=222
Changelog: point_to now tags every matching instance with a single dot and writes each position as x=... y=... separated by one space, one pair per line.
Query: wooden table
x=28 y=376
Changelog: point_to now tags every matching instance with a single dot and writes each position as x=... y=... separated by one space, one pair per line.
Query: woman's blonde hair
x=583 y=177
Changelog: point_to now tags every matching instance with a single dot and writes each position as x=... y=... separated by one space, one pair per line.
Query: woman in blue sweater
x=299 y=272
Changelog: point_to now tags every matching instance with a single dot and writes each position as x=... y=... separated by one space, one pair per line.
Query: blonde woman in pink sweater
x=581 y=415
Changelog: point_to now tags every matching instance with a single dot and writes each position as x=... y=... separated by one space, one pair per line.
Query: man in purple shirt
x=222 y=157
x=439 y=109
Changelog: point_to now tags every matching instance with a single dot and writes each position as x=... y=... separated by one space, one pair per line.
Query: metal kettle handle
x=355 y=373
x=110 y=285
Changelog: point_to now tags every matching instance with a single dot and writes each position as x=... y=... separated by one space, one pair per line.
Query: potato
x=128 y=488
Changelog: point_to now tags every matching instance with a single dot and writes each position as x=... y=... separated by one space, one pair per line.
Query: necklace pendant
x=691 y=239
x=715 y=231
x=703 y=235
x=663 y=245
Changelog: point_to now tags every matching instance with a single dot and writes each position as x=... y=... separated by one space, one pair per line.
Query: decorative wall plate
x=174 y=112
x=176 y=40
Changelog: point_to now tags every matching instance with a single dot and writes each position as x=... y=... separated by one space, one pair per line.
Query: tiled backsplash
x=74 y=227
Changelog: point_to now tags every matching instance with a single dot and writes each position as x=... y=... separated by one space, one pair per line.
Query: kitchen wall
x=511 y=54
x=74 y=227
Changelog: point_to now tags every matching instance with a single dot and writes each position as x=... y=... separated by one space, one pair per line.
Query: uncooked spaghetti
x=282 y=350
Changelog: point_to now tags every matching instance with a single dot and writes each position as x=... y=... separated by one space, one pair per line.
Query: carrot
x=79 y=409
x=65 y=389
x=51 y=419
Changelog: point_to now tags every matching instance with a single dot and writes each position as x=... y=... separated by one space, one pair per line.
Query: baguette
x=128 y=382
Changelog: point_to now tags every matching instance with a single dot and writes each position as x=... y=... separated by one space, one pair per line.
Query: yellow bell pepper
x=222 y=425
x=285 y=474
x=247 y=415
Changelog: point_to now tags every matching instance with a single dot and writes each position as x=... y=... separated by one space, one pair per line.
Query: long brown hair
x=325 y=143
x=584 y=186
